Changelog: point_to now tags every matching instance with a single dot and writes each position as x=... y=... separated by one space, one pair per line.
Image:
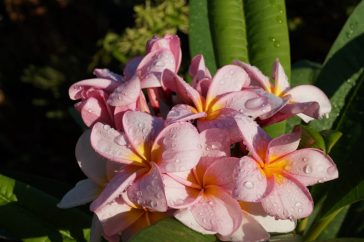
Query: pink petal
x=254 y=137
x=107 y=74
x=93 y=110
x=269 y=223
x=77 y=89
x=178 y=195
x=288 y=199
x=250 y=182
x=182 y=112
x=198 y=70
x=113 y=145
x=249 y=102
x=225 y=121
x=141 y=129
x=309 y=93
x=170 y=42
x=91 y=163
x=310 y=166
x=283 y=145
x=117 y=216
x=148 y=190
x=131 y=67
x=113 y=168
x=220 y=173
x=203 y=86
x=125 y=94
x=256 y=76
x=250 y=230
x=177 y=147
x=116 y=187
x=280 y=78
x=227 y=79
x=217 y=211
x=186 y=217
x=215 y=142
x=84 y=192
x=188 y=95
x=152 y=66
x=142 y=104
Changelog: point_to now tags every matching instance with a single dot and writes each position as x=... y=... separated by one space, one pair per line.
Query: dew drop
x=279 y=19
x=248 y=185
x=177 y=161
x=106 y=127
x=300 y=210
x=277 y=44
x=153 y=204
x=307 y=169
x=211 y=203
x=254 y=103
x=120 y=140
x=298 y=204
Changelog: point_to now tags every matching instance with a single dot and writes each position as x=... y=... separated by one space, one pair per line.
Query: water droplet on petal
x=298 y=204
x=254 y=103
x=177 y=160
x=307 y=169
x=211 y=203
x=248 y=185
x=300 y=210
x=120 y=140
x=106 y=127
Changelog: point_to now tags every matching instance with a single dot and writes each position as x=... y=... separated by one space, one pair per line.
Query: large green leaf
x=168 y=230
x=343 y=65
x=31 y=215
x=200 y=40
x=342 y=240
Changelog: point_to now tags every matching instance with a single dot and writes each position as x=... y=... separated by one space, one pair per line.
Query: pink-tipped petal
x=183 y=112
x=177 y=147
x=178 y=195
x=117 y=216
x=152 y=66
x=91 y=163
x=107 y=74
x=224 y=120
x=280 y=78
x=198 y=70
x=131 y=67
x=186 y=93
x=186 y=217
x=269 y=223
x=310 y=166
x=220 y=173
x=250 y=182
x=148 y=190
x=84 y=192
x=141 y=129
x=217 y=211
x=256 y=76
x=254 y=137
x=215 y=142
x=112 y=145
x=309 y=93
x=250 y=230
x=288 y=199
x=116 y=187
x=94 y=110
x=77 y=90
x=283 y=145
x=229 y=78
x=125 y=94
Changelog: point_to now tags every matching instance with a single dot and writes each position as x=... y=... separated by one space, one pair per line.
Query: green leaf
x=200 y=40
x=228 y=30
x=343 y=65
x=342 y=240
x=333 y=228
x=267 y=34
x=168 y=230
x=31 y=215
x=331 y=137
x=310 y=138
x=304 y=72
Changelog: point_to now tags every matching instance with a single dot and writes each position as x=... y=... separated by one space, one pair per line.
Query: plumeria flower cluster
x=159 y=147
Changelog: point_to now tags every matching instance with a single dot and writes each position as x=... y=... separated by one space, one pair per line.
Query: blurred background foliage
x=45 y=46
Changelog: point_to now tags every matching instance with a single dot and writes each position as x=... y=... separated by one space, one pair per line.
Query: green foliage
x=163 y=17
x=170 y=229
x=31 y=215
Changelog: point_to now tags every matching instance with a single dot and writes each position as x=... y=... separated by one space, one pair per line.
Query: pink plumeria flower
x=307 y=101
x=95 y=94
x=162 y=53
x=99 y=171
x=203 y=194
x=224 y=97
x=148 y=150
x=276 y=173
